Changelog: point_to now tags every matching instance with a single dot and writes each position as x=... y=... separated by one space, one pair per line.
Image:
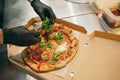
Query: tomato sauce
x=116 y=12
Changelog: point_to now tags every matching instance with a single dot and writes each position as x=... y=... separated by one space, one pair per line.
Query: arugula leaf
x=46 y=25
x=43 y=44
x=59 y=37
x=49 y=45
x=45 y=59
x=55 y=55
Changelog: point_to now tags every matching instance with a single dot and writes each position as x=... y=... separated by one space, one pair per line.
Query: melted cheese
x=62 y=47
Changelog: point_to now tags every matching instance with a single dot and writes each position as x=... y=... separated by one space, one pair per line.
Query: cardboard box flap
x=31 y=21
x=71 y=25
x=105 y=35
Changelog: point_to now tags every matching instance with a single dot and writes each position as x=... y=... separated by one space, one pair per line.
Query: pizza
x=57 y=47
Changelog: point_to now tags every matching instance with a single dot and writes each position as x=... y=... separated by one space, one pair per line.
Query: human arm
x=20 y=36
x=42 y=10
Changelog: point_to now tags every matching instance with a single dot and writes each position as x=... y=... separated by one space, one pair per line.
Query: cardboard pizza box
x=98 y=56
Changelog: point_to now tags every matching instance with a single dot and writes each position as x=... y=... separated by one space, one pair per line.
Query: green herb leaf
x=55 y=55
x=43 y=44
x=49 y=45
x=46 y=25
x=59 y=37
x=45 y=59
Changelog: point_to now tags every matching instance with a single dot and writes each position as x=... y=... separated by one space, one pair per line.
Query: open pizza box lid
x=98 y=57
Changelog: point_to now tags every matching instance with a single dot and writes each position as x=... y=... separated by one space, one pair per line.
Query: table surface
x=19 y=12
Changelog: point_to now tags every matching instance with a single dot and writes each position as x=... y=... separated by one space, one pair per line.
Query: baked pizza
x=57 y=47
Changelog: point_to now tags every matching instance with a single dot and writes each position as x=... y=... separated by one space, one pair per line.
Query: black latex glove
x=43 y=10
x=20 y=36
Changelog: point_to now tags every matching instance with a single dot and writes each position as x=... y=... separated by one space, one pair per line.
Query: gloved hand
x=20 y=36
x=43 y=10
